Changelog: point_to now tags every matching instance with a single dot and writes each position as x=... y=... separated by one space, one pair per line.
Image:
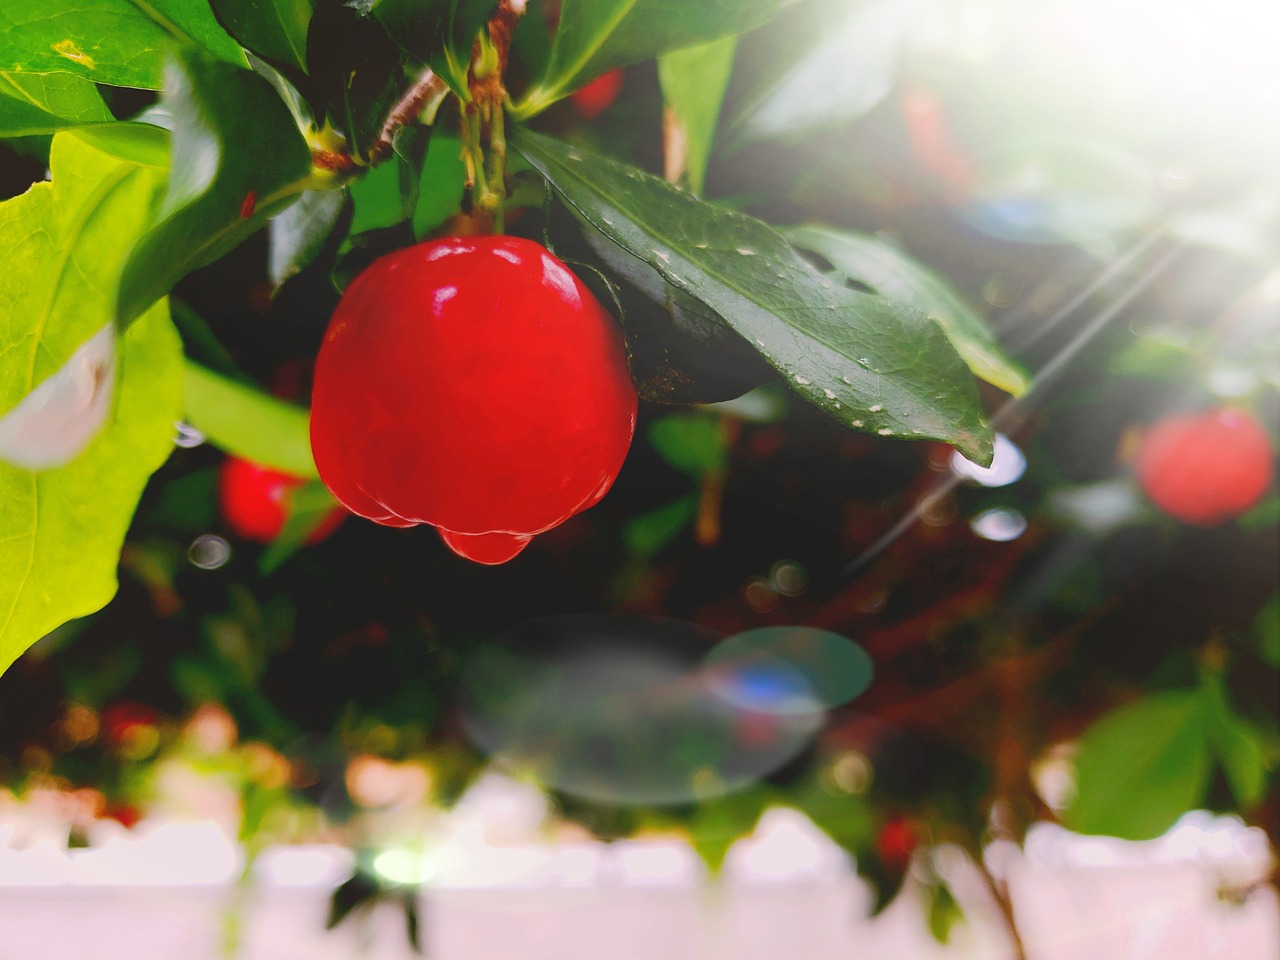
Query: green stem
x=497 y=166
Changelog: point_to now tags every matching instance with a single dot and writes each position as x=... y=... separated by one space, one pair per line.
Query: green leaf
x=273 y=29
x=693 y=84
x=1237 y=745
x=378 y=198
x=64 y=527
x=118 y=42
x=356 y=71
x=822 y=65
x=1266 y=631
x=877 y=366
x=33 y=104
x=439 y=33
x=247 y=423
x=440 y=185
x=62 y=244
x=1139 y=768
x=648 y=533
x=892 y=273
x=308 y=507
x=237 y=161
x=943 y=911
x=694 y=444
x=595 y=36
x=299 y=234
x=718 y=824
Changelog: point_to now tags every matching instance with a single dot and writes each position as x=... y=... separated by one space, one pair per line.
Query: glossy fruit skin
x=598 y=95
x=253 y=500
x=473 y=384
x=1205 y=468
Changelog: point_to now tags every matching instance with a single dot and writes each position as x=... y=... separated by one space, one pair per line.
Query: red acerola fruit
x=254 y=501
x=473 y=384
x=1205 y=468
x=897 y=841
x=598 y=95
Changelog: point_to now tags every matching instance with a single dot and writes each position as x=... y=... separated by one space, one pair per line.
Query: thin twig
x=425 y=89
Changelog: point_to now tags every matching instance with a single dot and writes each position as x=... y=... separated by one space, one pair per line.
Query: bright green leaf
x=273 y=29
x=943 y=911
x=62 y=244
x=118 y=42
x=693 y=84
x=237 y=161
x=247 y=423
x=719 y=823
x=378 y=200
x=33 y=104
x=1141 y=767
x=440 y=187
x=597 y=35
x=63 y=528
x=892 y=273
x=875 y=365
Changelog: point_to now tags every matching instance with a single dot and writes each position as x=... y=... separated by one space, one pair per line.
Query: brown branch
x=426 y=88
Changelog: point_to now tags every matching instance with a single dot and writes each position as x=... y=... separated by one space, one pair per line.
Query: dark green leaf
x=299 y=234
x=679 y=349
x=237 y=161
x=438 y=32
x=356 y=71
x=1141 y=767
x=250 y=424
x=275 y=30
x=824 y=64
x=41 y=103
x=875 y=365
x=891 y=272
x=594 y=36
x=119 y=42
x=693 y=84
x=1266 y=631
x=65 y=527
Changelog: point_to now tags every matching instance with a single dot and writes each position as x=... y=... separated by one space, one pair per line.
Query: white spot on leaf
x=56 y=420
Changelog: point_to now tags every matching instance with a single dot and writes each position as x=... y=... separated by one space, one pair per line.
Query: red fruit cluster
x=1206 y=468
x=255 y=501
x=473 y=384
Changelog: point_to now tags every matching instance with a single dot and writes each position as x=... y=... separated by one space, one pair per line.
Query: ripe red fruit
x=474 y=384
x=897 y=841
x=598 y=95
x=1207 y=467
x=254 y=501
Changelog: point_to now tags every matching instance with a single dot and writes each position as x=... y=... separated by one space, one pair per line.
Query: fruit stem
x=497 y=167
